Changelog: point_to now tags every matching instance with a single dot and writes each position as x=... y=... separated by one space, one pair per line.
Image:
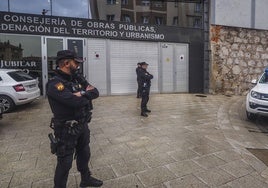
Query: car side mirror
x=254 y=81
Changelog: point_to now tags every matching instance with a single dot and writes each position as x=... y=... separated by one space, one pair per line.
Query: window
x=175 y=20
x=197 y=23
x=19 y=76
x=110 y=17
x=111 y=2
x=22 y=52
x=159 y=20
x=126 y=18
x=264 y=79
x=124 y=2
x=158 y=4
x=145 y=3
x=145 y=19
x=197 y=7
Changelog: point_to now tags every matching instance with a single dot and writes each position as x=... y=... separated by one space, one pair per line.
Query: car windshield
x=20 y=76
x=264 y=79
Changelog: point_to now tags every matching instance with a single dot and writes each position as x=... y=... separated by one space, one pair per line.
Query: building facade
x=219 y=50
x=111 y=50
x=172 y=13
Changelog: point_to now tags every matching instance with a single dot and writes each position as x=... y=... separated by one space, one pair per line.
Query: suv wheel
x=251 y=116
x=7 y=103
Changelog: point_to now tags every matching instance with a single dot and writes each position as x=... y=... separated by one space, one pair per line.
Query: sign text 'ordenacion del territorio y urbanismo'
x=31 y=24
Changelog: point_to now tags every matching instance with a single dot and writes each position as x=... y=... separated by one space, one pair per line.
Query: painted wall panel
x=261 y=14
x=232 y=12
x=97 y=74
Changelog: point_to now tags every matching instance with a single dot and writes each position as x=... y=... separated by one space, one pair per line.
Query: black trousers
x=139 y=90
x=68 y=145
x=144 y=98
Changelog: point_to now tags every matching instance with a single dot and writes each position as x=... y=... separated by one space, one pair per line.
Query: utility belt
x=60 y=123
x=67 y=131
x=74 y=127
x=70 y=123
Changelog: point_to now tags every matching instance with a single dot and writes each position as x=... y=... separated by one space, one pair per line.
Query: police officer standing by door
x=145 y=78
x=70 y=98
x=138 y=69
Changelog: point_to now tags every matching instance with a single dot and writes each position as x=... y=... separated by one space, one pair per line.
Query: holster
x=89 y=116
x=53 y=143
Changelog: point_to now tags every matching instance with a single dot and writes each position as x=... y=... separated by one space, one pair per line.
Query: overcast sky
x=70 y=8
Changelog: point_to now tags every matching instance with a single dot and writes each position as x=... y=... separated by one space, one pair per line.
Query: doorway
x=174 y=68
x=50 y=47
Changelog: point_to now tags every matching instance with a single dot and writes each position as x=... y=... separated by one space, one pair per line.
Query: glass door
x=76 y=45
x=50 y=48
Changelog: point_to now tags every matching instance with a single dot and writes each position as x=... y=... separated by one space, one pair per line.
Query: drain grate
x=261 y=154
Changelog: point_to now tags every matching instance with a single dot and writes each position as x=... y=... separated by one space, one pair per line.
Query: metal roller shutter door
x=124 y=56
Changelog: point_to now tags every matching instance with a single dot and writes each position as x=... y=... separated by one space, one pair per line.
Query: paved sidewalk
x=186 y=141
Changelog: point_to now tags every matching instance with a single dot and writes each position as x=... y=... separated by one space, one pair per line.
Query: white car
x=17 y=88
x=1 y=111
x=257 y=98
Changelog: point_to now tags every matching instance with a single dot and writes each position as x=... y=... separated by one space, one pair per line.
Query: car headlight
x=255 y=95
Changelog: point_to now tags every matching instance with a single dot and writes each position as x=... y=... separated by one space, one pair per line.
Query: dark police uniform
x=70 y=124
x=138 y=69
x=266 y=75
x=145 y=78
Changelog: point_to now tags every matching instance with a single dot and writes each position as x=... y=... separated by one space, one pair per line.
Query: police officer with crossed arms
x=145 y=81
x=70 y=97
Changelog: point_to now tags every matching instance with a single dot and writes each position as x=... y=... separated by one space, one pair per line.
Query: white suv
x=17 y=88
x=257 y=98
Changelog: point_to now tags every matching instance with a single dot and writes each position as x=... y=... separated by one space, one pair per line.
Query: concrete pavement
x=187 y=141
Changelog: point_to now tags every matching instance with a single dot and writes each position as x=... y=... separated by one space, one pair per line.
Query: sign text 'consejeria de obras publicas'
x=63 y=26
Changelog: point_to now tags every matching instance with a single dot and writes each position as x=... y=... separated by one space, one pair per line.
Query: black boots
x=144 y=114
x=147 y=110
x=88 y=181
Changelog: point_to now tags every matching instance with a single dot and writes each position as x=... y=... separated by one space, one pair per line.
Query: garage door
x=124 y=56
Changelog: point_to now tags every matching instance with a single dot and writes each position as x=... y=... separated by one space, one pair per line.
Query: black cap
x=68 y=54
x=143 y=63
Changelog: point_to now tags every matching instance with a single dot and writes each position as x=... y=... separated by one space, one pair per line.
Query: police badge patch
x=59 y=86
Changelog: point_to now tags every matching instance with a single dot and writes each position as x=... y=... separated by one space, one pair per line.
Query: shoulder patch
x=59 y=86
